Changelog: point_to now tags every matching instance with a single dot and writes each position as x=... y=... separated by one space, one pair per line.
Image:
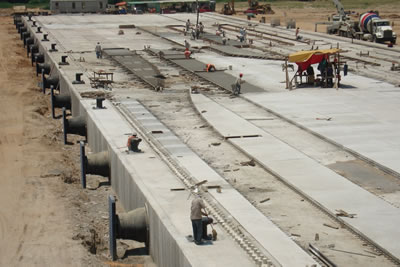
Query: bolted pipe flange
x=48 y=82
x=59 y=101
x=95 y=163
x=33 y=48
x=19 y=25
x=25 y=35
x=132 y=225
x=63 y=61
x=78 y=79
x=38 y=58
x=75 y=125
x=45 y=37
x=53 y=48
x=22 y=29
x=43 y=67
x=29 y=41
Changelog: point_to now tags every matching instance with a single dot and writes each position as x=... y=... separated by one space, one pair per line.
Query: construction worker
x=297 y=33
x=238 y=85
x=98 y=50
x=187 y=25
x=187 y=45
x=197 y=209
x=201 y=26
x=187 y=53
x=206 y=221
x=133 y=143
x=210 y=68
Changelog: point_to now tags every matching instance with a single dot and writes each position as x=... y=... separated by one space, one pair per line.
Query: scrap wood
x=265 y=200
x=248 y=163
x=323 y=119
x=201 y=183
x=178 y=189
x=330 y=226
x=216 y=143
x=213 y=186
x=293 y=234
x=342 y=213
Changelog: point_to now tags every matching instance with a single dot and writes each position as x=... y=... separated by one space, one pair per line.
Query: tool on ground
x=214 y=232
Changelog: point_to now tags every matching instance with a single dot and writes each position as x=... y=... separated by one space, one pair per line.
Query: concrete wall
x=78 y=6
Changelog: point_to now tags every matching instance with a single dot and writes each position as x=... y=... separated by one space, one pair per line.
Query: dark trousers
x=197 y=226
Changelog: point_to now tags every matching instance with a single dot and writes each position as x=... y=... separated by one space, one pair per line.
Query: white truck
x=369 y=27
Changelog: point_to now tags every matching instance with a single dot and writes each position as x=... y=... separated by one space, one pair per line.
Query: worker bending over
x=133 y=143
x=187 y=53
x=210 y=68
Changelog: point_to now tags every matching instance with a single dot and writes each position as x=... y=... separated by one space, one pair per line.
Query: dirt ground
x=307 y=17
x=46 y=219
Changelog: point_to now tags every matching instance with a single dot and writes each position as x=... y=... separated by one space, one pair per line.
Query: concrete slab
x=376 y=219
x=255 y=223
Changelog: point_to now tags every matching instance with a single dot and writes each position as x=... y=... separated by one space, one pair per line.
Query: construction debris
x=215 y=144
x=265 y=200
x=330 y=226
x=342 y=213
x=178 y=189
x=248 y=163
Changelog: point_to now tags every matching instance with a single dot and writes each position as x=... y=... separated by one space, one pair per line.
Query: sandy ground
x=34 y=226
x=307 y=17
x=46 y=219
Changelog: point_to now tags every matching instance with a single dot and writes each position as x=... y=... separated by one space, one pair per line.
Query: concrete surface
x=255 y=223
x=327 y=189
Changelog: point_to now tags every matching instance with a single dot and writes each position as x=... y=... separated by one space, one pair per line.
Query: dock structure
x=246 y=236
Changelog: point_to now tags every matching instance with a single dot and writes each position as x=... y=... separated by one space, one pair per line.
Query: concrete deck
x=375 y=219
x=252 y=220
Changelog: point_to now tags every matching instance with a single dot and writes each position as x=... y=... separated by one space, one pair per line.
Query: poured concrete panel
x=376 y=219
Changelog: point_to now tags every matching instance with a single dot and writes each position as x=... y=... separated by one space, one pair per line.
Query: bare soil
x=307 y=16
x=46 y=219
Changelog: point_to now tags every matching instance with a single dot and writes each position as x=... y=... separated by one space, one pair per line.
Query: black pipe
x=96 y=163
x=32 y=49
x=59 y=101
x=46 y=68
x=133 y=225
x=24 y=36
x=49 y=81
x=28 y=42
x=75 y=125
x=38 y=58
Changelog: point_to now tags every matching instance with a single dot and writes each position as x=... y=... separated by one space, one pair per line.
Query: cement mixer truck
x=375 y=29
x=369 y=27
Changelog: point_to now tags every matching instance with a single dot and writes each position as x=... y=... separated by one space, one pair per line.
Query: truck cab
x=382 y=31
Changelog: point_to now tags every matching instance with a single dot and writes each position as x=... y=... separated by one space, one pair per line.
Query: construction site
x=285 y=127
